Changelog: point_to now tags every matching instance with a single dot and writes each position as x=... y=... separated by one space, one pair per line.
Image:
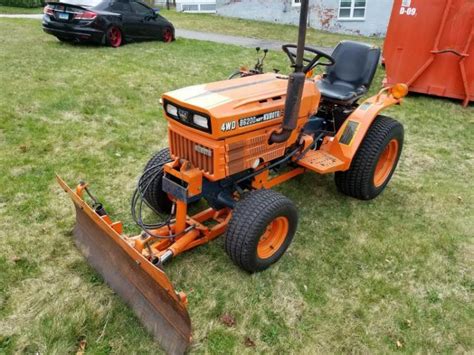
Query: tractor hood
x=227 y=94
x=260 y=98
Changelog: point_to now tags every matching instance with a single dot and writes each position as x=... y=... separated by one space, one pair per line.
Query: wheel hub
x=386 y=163
x=273 y=237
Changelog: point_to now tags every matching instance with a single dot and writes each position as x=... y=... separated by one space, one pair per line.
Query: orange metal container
x=430 y=47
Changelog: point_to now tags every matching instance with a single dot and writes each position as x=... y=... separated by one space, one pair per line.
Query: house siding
x=322 y=14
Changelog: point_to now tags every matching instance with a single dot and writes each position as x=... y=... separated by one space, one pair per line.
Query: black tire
x=358 y=181
x=251 y=218
x=155 y=196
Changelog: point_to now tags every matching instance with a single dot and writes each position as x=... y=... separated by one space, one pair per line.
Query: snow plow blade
x=143 y=286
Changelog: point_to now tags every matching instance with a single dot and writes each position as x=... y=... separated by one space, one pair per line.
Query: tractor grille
x=199 y=155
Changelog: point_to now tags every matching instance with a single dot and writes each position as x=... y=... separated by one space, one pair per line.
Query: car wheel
x=167 y=35
x=114 y=37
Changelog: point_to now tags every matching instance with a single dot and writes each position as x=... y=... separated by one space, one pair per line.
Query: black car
x=110 y=22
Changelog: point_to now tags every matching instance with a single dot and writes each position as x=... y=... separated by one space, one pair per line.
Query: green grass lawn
x=20 y=10
x=393 y=274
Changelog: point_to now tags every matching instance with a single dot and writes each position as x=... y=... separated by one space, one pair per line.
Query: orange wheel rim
x=273 y=237
x=386 y=163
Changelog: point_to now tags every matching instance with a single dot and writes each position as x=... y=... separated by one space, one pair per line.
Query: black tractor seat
x=351 y=76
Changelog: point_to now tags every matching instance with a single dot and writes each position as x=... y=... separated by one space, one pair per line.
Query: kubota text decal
x=248 y=121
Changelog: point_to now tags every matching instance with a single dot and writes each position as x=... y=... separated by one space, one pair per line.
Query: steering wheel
x=312 y=63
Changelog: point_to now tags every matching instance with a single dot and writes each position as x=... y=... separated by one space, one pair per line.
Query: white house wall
x=323 y=14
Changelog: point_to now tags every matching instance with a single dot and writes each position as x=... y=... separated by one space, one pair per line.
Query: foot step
x=320 y=162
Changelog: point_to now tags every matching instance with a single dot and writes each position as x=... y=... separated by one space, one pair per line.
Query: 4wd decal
x=228 y=126
x=248 y=121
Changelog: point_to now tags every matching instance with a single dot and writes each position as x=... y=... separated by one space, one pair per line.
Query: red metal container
x=430 y=47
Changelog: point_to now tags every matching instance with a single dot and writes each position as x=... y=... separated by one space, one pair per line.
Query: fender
x=346 y=142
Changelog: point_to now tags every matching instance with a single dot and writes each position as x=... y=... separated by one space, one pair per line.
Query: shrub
x=22 y=3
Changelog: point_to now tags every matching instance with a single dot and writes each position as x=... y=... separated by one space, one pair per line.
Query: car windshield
x=90 y=3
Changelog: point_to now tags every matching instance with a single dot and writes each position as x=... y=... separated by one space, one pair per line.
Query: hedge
x=22 y=3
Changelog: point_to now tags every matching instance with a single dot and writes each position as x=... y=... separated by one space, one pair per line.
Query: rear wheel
x=167 y=35
x=114 y=36
x=262 y=227
x=374 y=162
x=154 y=195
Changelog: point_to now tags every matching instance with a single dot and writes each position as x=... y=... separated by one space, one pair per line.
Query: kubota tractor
x=230 y=142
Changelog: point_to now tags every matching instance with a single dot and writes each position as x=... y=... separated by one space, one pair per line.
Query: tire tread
x=154 y=194
x=357 y=181
x=249 y=217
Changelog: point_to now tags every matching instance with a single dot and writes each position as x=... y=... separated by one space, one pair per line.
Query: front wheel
x=262 y=227
x=375 y=161
x=167 y=35
x=154 y=195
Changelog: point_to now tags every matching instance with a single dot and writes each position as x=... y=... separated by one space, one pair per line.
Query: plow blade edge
x=144 y=287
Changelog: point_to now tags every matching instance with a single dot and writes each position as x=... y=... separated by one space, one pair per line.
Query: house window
x=295 y=2
x=190 y=7
x=352 y=9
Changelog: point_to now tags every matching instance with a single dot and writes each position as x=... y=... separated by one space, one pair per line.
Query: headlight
x=172 y=110
x=187 y=116
x=200 y=121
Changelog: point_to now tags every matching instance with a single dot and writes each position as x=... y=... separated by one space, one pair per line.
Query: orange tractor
x=229 y=143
